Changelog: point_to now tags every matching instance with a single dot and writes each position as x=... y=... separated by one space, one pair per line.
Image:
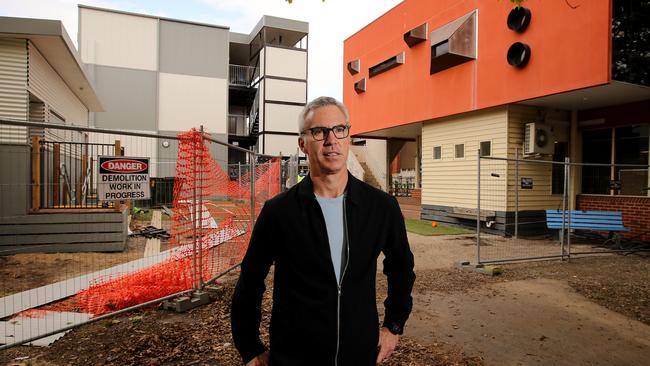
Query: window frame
x=434 y=152
x=481 y=148
x=456 y=151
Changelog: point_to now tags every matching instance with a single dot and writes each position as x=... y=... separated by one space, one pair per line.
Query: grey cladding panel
x=64 y=218
x=116 y=246
x=129 y=98
x=26 y=229
x=193 y=50
x=167 y=155
x=61 y=238
x=14 y=180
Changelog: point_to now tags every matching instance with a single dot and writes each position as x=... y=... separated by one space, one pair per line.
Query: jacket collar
x=352 y=189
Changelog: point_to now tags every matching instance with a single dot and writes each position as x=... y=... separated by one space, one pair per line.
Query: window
x=557 y=172
x=596 y=149
x=460 y=151
x=630 y=147
x=386 y=65
x=437 y=152
x=486 y=148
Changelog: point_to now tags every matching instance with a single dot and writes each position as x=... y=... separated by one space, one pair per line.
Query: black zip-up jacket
x=311 y=323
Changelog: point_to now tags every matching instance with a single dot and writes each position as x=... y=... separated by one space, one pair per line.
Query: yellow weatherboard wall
x=452 y=181
x=540 y=197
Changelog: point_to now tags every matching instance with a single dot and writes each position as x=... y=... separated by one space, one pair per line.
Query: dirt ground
x=589 y=311
x=22 y=272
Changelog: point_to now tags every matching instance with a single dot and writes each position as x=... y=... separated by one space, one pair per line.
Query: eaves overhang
x=53 y=42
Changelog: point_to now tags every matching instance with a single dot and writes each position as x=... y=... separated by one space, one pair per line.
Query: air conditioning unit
x=538 y=139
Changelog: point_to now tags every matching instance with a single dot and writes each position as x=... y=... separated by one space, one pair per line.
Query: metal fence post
x=568 y=232
x=199 y=253
x=478 y=207
x=280 y=175
x=517 y=193
x=239 y=174
x=252 y=179
x=564 y=211
x=195 y=208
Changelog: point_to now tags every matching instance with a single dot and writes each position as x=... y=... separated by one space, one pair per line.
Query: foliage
x=631 y=41
x=423 y=227
x=516 y=3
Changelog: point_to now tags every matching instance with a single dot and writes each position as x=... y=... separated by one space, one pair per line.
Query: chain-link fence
x=527 y=209
x=96 y=222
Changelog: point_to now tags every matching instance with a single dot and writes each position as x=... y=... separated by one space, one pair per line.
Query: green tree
x=631 y=41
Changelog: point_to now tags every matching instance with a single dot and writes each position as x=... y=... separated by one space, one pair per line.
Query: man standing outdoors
x=324 y=236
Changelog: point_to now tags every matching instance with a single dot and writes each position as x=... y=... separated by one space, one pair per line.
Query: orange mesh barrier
x=210 y=230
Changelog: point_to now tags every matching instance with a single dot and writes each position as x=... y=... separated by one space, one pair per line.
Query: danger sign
x=123 y=178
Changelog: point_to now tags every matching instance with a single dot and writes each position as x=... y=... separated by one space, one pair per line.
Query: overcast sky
x=330 y=22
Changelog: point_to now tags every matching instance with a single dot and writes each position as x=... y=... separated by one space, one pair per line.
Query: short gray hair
x=319 y=103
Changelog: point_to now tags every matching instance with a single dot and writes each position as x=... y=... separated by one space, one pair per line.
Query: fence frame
x=197 y=261
x=565 y=233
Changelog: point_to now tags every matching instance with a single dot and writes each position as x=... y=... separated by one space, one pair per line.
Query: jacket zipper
x=338 y=300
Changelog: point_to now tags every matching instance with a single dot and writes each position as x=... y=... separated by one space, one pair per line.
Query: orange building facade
x=443 y=79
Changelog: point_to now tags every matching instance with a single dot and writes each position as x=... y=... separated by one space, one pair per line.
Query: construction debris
x=151 y=232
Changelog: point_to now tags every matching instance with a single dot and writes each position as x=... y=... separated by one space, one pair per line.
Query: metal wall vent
x=360 y=86
x=386 y=65
x=454 y=43
x=519 y=18
x=518 y=54
x=416 y=35
x=354 y=66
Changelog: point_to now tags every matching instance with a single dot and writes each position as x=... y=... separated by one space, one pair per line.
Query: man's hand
x=261 y=360
x=387 y=343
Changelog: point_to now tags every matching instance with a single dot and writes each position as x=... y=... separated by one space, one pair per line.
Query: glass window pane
x=631 y=147
x=437 y=152
x=460 y=151
x=486 y=148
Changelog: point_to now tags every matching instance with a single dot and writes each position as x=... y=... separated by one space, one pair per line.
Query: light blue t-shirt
x=333 y=212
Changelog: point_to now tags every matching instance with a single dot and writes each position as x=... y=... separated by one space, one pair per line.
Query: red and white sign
x=123 y=178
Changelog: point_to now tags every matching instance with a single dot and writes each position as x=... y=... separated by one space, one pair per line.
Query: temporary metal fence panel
x=69 y=257
x=513 y=195
x=616 y=189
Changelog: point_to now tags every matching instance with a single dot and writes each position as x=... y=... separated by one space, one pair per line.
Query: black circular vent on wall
x=518 y=19
x=518 y=54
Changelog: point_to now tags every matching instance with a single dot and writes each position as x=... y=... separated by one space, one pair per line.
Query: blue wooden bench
x=588 y=220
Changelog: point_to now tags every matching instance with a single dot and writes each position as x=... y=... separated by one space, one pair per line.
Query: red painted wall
x=636 y=210
x=570 y=50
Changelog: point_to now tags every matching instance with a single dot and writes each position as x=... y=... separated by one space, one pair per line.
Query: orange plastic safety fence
x=210 y=230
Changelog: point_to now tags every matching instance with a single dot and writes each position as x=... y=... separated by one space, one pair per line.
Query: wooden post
x=118 y=148
x=117 y=152
x=56 y=173
x=36 y=173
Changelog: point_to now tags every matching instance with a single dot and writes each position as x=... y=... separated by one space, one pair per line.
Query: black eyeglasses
x=321 y=133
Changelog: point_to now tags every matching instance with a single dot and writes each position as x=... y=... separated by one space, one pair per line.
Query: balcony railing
x=241 y=75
